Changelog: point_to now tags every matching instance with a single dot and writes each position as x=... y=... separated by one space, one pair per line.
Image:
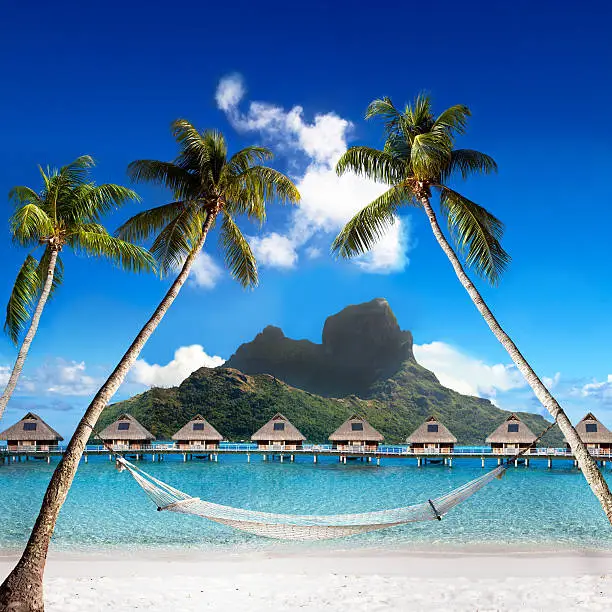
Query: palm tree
x=66 y=213
x=419 y=159
x=207 y=185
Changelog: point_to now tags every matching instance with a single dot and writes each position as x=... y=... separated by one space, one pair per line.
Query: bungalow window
x=356 y=426
x=29 y=426
x=513 y=427
x=279 y=427
x=198 y=427
x=432 y=428
x=123 y=426
x=591 y=427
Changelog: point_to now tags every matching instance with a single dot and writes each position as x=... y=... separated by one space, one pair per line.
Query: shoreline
x=362 y=580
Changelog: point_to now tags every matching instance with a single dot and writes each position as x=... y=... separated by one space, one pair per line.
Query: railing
x=322 y=449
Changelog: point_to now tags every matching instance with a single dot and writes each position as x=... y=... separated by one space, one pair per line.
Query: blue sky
x=79 y=80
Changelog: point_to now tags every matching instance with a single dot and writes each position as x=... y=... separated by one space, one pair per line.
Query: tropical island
x=365 y=365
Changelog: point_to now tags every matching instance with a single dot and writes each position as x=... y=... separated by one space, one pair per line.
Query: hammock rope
x=302 y=527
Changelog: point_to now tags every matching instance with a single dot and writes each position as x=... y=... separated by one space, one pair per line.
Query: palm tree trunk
x=585 y=461
x=22 y=591
x=29 y=337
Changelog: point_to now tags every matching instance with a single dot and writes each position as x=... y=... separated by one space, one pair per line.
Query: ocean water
x=106 y=510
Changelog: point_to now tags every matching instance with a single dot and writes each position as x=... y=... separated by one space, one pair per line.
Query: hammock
x=296 y=527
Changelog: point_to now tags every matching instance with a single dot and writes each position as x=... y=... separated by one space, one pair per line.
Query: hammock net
x=306 y=527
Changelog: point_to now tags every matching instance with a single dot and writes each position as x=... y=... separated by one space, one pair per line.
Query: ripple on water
x=529 y=507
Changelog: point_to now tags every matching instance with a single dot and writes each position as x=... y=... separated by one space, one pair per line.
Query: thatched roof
x=505 y=433
x=126 y=427
x=431 y=431
x=593 y=431
x=30 y=428
x=356 y=428
x=279 y=428
x=198 y=429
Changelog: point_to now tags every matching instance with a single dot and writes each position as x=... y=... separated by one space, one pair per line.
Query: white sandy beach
x=359 y=581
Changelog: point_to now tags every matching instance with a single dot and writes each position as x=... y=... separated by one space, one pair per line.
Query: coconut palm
x=207 y=186
x=65 y=213
x=418 y=160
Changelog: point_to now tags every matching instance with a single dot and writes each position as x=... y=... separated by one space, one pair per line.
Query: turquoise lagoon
x=106 y=510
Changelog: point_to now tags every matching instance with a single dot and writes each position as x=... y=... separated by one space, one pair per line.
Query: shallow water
x=529 y=508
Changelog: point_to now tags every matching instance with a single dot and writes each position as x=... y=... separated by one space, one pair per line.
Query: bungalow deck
x=157 y=452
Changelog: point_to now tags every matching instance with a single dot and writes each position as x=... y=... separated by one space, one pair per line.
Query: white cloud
x=274 y=250
x=313 y=252
x=229 y=92
x=553 y=382
x=599 y=390
x=61 y=377
x=187 y=359
x=205 y=272
x=465 y=374
x=328 y=201
x=5 y=373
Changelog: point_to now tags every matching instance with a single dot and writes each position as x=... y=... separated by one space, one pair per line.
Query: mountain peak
x=360 y=345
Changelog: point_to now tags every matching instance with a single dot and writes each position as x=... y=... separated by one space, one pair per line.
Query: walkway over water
x=158 y=451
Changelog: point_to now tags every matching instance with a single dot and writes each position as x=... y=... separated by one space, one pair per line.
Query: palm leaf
x=476 y=233
x=177 y=239
x=22 y=299
x=145 y=224
x=379 y=166
x=468 y=161
x=453 y=120
x=239 y=257
x=30 y=224
x=362 y=232
x=166 y=174
x=93 y=240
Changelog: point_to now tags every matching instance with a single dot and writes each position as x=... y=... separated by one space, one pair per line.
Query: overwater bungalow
x=432 y=437
x=198 y=434
x=511 y=436
x=356 y=434
x=595 y=435
x=279 y=433
x=126 y=433
x=30 y=433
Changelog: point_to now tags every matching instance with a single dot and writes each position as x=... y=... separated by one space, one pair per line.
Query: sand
x=358 y=581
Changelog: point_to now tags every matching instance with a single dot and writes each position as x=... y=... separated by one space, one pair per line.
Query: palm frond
x=238 y=255
x=453 y=120
x=385 y=109
x=362 y=232
x=476 y=233
x=468 y=162
x=177 y=239
x=166 y=174
x=247 y=157
x=21 y=195
x=430 y=155
x=93 y=240
x=145 y=224
x=379 y=166
x=30 y=224
x=76 y=172
x=93 y=201
x=22 y=299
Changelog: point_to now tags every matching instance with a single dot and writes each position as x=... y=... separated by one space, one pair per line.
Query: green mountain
x=365 y=360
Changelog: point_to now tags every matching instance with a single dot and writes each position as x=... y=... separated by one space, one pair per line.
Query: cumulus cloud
x=599 y=390
x=328 y=201
x=5 y=373
x=274 y=250
x=187 y=359
x=229 y=92
x=552 y=383
x=205 y=272
x=60 y=377
x=466 y=374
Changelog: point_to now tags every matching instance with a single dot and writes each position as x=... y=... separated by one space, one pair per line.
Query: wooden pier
x=313 y=453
